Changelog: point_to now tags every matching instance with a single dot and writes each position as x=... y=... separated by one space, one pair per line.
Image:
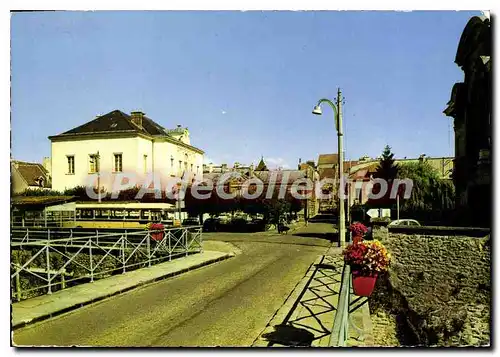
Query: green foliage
x=79 y=191
x=38 y=192
x=429 y=192
x=272 y=208
x=387 y=169
x=275 y=210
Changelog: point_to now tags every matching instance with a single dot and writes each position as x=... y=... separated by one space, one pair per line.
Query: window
x=118 y=162
x=172 y=162
x=185 y=166
x=40 y=182
x=198 y=169
x=145 y=163
x=180 y=165
x=191 y=167
x=93 y=163
x=71 y=164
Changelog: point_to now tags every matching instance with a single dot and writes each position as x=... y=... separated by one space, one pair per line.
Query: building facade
x=470 y=107
x=120 y=143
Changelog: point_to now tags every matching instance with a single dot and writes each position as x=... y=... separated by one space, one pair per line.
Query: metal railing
x=60 y=258
x=340 y=331
x=347 y=304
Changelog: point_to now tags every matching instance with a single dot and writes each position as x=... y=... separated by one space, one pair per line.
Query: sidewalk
x=307 y=316
x=47 y=306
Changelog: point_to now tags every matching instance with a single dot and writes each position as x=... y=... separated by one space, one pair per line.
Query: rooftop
x=32 y=172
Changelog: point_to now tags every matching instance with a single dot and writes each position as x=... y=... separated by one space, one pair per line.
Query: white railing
x=60 y=256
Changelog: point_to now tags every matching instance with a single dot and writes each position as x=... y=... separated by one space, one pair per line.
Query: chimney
x=47 y=165
x=179 y=126
x=137 y=118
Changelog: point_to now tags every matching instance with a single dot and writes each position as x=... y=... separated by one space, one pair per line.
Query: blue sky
x=244 y=83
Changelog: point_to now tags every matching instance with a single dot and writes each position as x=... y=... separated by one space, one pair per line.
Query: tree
x=387 y=169
x=430 y=192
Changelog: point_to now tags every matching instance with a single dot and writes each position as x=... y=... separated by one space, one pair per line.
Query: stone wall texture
x=441 y=286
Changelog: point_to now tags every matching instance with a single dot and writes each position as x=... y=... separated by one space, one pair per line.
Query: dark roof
x=31 y=172
x=30 y=201
x=117 y=121
x=325 y=159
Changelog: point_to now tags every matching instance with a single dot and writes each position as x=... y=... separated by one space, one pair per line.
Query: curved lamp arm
x=334 y=107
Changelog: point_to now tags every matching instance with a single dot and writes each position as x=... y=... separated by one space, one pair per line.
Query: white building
x=129 y=144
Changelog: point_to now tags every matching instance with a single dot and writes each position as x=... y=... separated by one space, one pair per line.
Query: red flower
x=358 y=229
x=357 y=239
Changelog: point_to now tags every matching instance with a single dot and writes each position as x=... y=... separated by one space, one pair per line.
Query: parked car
x=211 y=224
x=191 y=221
x=404 y=223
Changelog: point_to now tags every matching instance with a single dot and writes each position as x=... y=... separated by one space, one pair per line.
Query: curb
x=114 y=293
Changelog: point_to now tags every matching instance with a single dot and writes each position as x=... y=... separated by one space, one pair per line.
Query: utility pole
x=98 y=169
x=341 y=190
x=397 y=204
x=306 y=208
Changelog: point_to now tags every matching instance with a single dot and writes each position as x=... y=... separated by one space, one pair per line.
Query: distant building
x=470 y=107
x=223 y=168
x=28 y=175
x=117 y=142
x=312 y=204
x=261 y=166
x=361 y=183
x=328 y=169
x=361 y=173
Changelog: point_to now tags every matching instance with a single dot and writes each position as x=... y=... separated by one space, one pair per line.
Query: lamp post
x=337 y=109
x=98 y=169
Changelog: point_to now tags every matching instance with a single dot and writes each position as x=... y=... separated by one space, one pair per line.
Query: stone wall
x=438 y=287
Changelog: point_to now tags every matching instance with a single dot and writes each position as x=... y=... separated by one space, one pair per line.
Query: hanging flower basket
x=156 y=230
x=367 y=260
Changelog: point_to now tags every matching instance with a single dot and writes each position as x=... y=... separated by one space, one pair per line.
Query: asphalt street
x=225 y=304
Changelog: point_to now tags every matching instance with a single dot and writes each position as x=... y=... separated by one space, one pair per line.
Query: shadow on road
x=289 y=336
x=330 y=236
x=324 y=218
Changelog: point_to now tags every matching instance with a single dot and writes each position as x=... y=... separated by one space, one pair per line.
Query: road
x=225 y=304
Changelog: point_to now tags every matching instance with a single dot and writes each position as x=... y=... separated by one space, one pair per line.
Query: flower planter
x=157 y=236
x=363 y=285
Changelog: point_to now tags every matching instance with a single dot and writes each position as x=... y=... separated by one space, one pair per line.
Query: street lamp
x=337 y=110
x=97 y=160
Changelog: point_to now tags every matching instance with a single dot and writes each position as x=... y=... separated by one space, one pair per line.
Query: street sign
x=379 y=212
